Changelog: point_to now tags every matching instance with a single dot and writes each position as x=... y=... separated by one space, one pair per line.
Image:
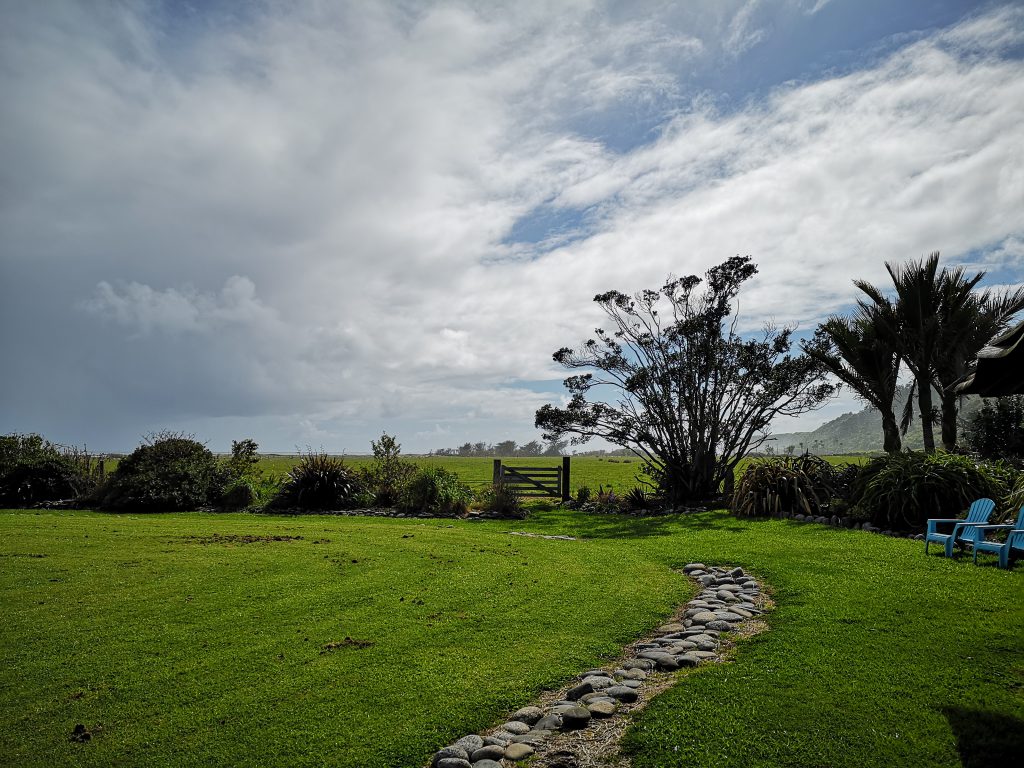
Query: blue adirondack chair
x=963 y=529
x=1014 y=540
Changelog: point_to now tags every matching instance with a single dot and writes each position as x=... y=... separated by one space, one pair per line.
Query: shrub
x=239 y=480
x=170 y=472
x=901 y=491
x=638 y=500
x=436 y=491
x=1015 y=496
x=779 y=485
x=386 y=479
x=34 y=470
x=605 y=502
x=318 y=483
x=997 y=430
x=502 y=500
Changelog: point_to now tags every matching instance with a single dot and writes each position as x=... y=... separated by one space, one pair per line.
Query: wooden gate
x=535 y=481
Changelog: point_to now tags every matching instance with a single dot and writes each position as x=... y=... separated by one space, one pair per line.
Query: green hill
x=859 y=432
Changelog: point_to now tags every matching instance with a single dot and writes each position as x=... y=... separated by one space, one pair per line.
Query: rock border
x=581 y=723
x=848 y=522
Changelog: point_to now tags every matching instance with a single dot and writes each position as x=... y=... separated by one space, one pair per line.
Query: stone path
x=580 y=725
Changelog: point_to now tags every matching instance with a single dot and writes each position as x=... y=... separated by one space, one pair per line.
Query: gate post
x=497 y=472
x=565 y=479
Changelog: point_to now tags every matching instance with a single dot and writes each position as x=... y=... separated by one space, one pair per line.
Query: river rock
x=518 y=752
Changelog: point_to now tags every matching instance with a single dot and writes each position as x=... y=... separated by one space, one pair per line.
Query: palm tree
x=861 y=353
x=912 y=324
x=938 y=323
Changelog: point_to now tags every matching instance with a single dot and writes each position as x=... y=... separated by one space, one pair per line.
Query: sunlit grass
x=371 y=642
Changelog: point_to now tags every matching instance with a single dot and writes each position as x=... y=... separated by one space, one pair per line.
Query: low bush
x=435 y=491
x=169 y=472
x=502 y=500
x=638 y=500
x=902 y=491
x=240 y=482
x=781 y=485
x=318 y=483
x=34 y=470
x=386 y=480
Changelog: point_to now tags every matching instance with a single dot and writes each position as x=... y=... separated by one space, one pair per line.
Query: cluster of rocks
x=849 y=522
x=729 y=598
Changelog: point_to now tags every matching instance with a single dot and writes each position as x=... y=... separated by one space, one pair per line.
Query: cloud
x=301 y=222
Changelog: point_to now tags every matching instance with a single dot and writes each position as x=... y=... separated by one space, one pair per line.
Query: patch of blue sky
x=548 y=226
x=999 y=266
x=841 y=37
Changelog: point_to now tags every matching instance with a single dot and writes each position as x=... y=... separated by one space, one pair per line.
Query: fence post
x=565 y=479
x=497 y=472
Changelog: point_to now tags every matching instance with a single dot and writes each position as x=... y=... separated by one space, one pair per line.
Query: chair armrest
x=995 y=526
x=934 y=523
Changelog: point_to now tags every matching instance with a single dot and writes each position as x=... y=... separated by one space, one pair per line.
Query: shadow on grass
x=616 y=526
x=986 y=739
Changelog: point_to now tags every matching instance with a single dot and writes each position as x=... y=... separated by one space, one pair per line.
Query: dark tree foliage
x=997 y=430
x=32 y=470
x=170 y=472
x=686 y=391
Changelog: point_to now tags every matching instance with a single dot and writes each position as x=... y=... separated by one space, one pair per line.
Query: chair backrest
x=1020 y=520
x=978 y=513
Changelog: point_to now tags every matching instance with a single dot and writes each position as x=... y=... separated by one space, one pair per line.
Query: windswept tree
x=863 y=355
x=684 y=389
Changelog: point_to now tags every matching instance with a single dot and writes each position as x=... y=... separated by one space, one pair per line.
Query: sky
x=309 y=223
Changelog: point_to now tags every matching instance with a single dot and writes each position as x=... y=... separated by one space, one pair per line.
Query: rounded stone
x=454 y=762
x=577 y=717
x=485 y=763
x=516 y=727
x=469 y=743
x=489 y=752
x=644 y=664
x=600 y=683
x=577 y=691
x=518 y=752
x=723 y=626
x=549 y=722
x=449 y=752
x=500 y=739
x=602 y=708
x=687 y=660
x=528 y=715
x=623 y=693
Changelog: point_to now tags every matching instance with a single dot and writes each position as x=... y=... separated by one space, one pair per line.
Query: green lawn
x=371 y=642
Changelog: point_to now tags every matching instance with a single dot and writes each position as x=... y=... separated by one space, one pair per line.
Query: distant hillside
x=859 y=432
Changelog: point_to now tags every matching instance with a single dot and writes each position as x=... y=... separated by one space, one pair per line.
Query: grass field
x=190 y=639
x=478 y=471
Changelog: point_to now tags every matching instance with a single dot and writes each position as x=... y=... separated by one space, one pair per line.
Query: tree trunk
x=949 y=411
x=891 y=433
x=924 y=404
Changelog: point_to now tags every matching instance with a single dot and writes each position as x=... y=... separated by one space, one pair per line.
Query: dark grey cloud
x=298 y=224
